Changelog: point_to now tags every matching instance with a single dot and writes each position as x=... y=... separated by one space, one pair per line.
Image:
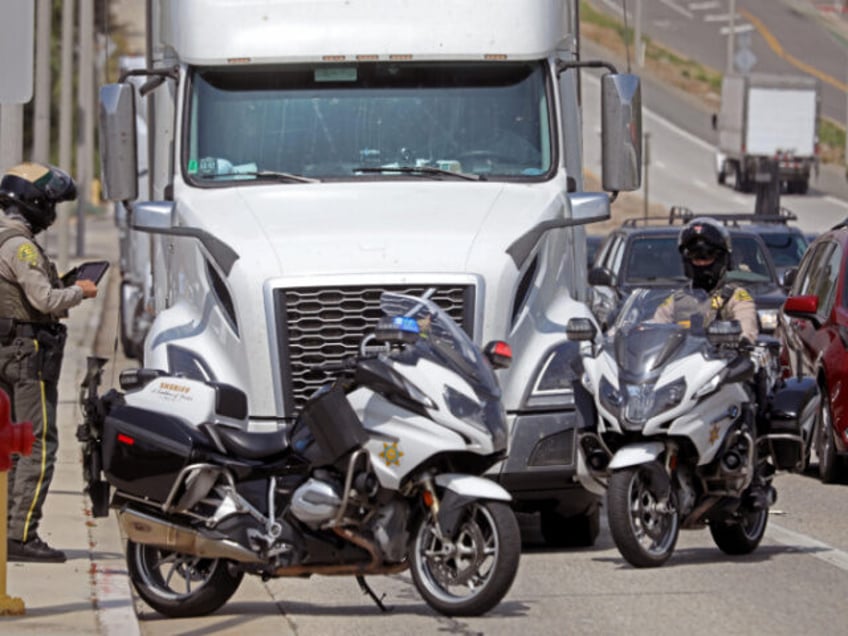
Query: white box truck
x=304 y=156
x=767 y=117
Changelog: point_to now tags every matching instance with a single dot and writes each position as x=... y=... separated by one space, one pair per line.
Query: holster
x=51 y=349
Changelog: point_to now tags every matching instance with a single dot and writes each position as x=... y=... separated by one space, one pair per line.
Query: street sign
x=744 y=60
x=16 y=51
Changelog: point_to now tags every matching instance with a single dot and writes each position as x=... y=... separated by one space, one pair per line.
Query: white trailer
x=768 y=117
x=305 y=156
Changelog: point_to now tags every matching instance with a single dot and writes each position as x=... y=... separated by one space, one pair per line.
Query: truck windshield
x=429 y=120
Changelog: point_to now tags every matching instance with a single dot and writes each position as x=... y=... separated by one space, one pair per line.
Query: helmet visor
x=57 y=185
x=700 y=250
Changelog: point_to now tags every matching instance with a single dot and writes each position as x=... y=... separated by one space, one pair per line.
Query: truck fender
x=635 y=454
x=460 y=490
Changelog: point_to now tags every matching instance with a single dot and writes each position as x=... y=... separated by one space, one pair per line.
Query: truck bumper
x=541 y=468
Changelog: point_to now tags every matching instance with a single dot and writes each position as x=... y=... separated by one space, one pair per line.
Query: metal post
x=66 y=113
x=41 y=106
x=646 y=161
x=85 y=100
x=731 y=35
x=637 y=34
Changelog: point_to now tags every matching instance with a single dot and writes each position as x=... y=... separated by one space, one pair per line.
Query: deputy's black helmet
x=705 y=238
x=35 y=189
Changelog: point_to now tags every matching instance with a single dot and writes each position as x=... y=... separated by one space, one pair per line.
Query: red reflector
x=427 y=496
x=502 y=349
x=125 y=439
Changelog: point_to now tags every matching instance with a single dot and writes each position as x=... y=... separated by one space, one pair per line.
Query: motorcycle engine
x=316 y=501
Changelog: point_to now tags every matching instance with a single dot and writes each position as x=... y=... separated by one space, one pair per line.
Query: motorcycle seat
x=252 y=445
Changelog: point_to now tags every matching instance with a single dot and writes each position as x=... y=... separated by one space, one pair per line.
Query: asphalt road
x=782 y=36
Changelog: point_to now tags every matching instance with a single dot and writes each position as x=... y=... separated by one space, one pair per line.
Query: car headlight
x=768 y=319
x=553 y=385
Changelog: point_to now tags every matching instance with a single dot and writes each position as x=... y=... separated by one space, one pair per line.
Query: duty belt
x=11 y=328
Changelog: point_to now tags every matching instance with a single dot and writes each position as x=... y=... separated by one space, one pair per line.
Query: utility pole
x=637 y=35
x=731 y=35
x=66 y=127
x=85 y=101
x=41 y=111
x=646 y=161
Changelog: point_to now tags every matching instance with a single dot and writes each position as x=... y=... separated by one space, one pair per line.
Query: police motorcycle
x=379 y=473
x=687 y=428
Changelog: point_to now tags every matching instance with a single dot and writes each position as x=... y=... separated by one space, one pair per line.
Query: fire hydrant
x=14 y=438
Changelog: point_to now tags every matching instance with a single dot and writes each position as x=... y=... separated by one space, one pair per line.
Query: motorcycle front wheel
x=643 y=528
x=469 y=573
x=180 y=585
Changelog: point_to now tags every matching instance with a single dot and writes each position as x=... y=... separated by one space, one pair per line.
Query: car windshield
x=786 y=249
x=749 y=261
x=431 y=120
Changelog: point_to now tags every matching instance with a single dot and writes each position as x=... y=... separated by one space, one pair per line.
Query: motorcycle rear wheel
x=643 y=532
x=180 y=585
x=469 y=574
x=742 y=537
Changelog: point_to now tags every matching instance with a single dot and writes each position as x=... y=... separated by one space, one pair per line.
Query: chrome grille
x=325 y=324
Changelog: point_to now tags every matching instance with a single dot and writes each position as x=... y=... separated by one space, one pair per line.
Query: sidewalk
x=90 y=593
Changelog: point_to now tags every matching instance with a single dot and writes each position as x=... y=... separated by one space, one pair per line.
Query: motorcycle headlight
x=768 y=319
x=644 y=401
x=487 y=416
x=553 y=385
x=610 y=397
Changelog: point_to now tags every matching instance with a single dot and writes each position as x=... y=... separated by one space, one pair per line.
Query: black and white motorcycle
x=381 y=472
x=687 y=430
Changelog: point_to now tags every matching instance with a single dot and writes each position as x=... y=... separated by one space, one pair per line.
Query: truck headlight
x=768 y=319
x=553 y=384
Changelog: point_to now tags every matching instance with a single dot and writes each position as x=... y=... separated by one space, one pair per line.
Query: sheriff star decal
x=391 y=454
x=714 y=433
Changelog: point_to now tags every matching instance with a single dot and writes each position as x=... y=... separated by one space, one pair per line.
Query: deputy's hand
x=89 y=288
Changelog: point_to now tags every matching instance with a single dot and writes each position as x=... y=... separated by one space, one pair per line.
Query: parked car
x=786 y=242
x=593 y=242
x=814 y=332
x=641 y=253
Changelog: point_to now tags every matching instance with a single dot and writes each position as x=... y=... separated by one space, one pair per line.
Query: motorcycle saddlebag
x=328 y=428
x=144 y=452
x=791 y=406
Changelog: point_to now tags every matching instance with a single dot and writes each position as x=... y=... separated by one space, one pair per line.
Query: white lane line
x=840 y=202
x=703 y=6
x=676 y=7
x=817 y=549
x=737 y=28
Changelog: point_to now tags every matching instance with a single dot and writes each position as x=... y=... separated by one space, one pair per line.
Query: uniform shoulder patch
x=742 y=294
x=27 y=253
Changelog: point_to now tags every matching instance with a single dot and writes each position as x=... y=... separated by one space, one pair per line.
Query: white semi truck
x=306 y=155
x=768 y=118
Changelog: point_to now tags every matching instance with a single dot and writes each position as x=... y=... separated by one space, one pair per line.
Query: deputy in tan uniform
x=705 y=247
x=32 y=301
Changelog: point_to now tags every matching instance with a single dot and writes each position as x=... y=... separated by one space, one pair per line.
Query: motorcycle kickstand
x=367 y=590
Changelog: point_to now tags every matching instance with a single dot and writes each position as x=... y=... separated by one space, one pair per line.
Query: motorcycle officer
x=705 y=248
x=32 y=301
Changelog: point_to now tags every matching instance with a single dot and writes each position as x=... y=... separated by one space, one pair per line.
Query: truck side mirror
x=621 y=132
x=118 y=152
x=153 y=216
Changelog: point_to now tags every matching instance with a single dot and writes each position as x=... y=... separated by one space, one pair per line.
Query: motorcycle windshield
x=441 y=338
x=641 y=345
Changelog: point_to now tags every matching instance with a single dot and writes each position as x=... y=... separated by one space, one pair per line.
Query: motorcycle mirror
x=724 y=332
x=580 y=329
x=499 y=354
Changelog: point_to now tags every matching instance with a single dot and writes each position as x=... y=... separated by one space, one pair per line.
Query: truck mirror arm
x=562 y=65
x=157 y=77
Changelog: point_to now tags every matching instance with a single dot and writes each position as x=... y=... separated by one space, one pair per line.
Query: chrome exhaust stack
x=149 y=530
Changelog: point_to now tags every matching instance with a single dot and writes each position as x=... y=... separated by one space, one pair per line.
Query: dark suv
x=786 y=242
x=643 y=253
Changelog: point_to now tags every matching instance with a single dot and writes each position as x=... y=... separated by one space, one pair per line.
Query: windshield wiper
x=263 y=174
x=422 y=171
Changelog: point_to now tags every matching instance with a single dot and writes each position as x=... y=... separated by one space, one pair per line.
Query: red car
x=814 y=330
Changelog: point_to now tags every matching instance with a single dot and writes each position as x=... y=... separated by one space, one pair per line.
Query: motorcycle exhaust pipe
x=148 y=530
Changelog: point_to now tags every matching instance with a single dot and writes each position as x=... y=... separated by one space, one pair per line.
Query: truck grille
x=325 y=324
